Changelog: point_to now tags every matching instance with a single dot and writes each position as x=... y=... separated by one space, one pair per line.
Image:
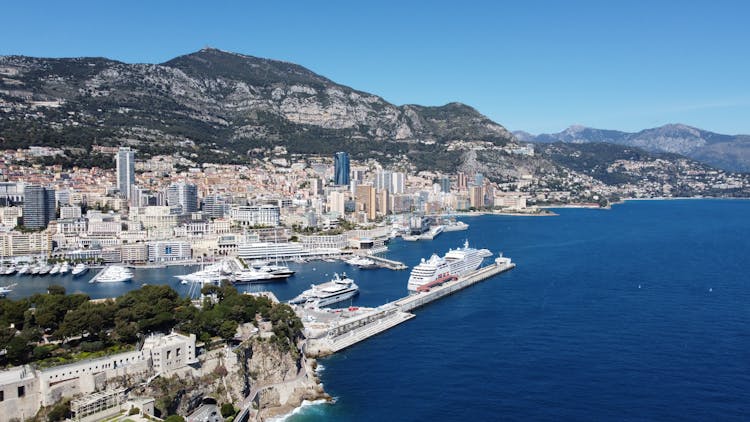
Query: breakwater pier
x=331 y=330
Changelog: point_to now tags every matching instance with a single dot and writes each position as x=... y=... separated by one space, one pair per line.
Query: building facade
x=125 y=171
x=341 y=168
x=38 y=206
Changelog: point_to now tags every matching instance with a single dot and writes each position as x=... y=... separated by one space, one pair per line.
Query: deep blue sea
x=641 y=312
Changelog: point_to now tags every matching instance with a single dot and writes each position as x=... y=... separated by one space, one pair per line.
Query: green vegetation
x=79 y=329
x=227 y=410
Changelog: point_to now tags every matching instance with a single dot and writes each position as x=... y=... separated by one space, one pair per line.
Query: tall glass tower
x=125 y=170
x=341 y=168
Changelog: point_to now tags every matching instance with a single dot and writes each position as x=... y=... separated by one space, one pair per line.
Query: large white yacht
x=437 y=269
x=251 y=275
x=113 y=274
x=80 y=269
x=336 y=290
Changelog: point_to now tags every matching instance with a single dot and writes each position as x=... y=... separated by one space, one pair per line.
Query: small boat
x=4 y=290
x=113 y=274
x=10 y=270
x=35 y=270
x=64 y=268
x=55 y=269
x=80 y=269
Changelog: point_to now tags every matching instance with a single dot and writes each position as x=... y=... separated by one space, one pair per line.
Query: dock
x=388 y=263
x=329 y=333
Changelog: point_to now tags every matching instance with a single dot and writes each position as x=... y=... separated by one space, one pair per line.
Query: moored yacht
x=55 y=269
x=64 y=268
x=361 y=262
x=80 y=269
x=277 y=271
x=336 y=290
x=25 y=268
x=44 y=269
x=251 y=275
x=113 y=274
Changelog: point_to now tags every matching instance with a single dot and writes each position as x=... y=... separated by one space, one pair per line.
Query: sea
x=640 y=312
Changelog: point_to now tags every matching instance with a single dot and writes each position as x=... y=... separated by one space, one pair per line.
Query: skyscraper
x=445 y=184
x=341 y=168
x=38 y=206
x=183 y=195
x=125 y=171
x=397 y=182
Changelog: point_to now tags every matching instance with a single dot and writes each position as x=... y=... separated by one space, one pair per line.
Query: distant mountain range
x=730 y=152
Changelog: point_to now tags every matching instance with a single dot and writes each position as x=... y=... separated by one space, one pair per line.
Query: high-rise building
x=341 y=168
x=462 y=181
x=183 y=195
x=445 y=184
x=383 y=180
x=384 y=202
x=476 y=197
x=365 y=199
x=38 y=206
x=397 y=182
x=215 y=206
x=125 y=170
x=337 y=202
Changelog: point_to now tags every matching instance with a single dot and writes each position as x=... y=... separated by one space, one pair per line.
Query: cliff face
x=214 y=97
x=282 y=380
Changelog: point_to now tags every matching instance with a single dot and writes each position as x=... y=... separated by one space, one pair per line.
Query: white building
x=70 y=212
x=170 y=352
x=256 y=215
x=168 y=250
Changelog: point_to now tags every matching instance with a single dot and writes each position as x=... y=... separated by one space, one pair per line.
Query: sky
x=538 y=66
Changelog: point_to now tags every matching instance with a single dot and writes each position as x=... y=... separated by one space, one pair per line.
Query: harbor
x=331 y=330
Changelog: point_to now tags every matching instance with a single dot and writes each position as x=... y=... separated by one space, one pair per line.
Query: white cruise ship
x=336 y=290
x=437 y=270
x=113 y=274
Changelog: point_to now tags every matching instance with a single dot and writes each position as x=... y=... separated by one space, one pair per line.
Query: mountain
x=221 y=107
x=219 y=102
x=730 y=152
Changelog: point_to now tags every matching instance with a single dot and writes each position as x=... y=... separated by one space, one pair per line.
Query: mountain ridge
x=729 y=152
x=216 y=98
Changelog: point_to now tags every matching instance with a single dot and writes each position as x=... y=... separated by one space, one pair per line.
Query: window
x=21 y=391
x=177 y=352
x=2 y=395
x=169 y=354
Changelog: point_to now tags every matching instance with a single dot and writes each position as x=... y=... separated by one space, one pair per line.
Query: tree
x=227 y=410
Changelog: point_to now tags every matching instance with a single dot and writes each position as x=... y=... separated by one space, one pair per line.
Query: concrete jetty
x=327 y=334
x=388 y=263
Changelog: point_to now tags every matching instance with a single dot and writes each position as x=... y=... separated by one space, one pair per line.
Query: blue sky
x=530 y=65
